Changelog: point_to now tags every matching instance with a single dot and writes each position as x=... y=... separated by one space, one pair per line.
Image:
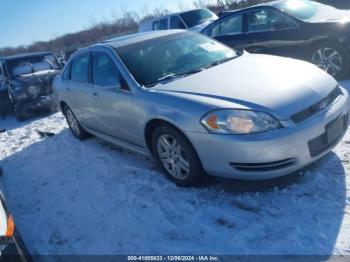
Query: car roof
x=18 y=56
x=139 y=37
x=172 y=14
x=268 y=4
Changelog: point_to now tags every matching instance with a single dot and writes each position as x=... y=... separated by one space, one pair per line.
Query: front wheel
x=77 y=130
x=20 y=112
x=177 y=156
x=331 y=58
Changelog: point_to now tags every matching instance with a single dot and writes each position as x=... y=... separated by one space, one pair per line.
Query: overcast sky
x=26 y=21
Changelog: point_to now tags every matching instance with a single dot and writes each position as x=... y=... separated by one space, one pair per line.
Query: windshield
x=197 y=17
x=32 y=64
x=302 y=9
x=184 y=53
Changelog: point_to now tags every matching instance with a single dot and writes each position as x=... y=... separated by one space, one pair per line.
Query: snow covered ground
x=73 y=197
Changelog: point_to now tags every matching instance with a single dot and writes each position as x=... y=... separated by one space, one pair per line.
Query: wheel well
x=329 y=41
x=62 y=105
x=151 y=125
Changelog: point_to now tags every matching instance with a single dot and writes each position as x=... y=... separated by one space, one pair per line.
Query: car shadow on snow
x=72 y=197
x=10 y=122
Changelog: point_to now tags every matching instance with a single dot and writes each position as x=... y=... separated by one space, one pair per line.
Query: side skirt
x=121 y=143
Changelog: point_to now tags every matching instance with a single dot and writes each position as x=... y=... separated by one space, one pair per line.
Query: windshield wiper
x=220 y=62
x=172 y=76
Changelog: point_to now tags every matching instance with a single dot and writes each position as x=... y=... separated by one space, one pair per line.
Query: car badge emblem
x=323 y=104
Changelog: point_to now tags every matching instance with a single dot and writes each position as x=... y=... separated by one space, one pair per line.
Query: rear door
x=228 y=30
x=112 y=102
x=271 y=32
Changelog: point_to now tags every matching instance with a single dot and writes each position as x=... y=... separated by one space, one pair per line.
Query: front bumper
x=15 y=250
x=42 y=102
x=270 y=154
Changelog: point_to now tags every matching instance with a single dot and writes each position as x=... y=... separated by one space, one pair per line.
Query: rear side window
x=104 y=71
x=66 y=73
x=155 y=26
x=176 y=23
x=80 y=68
x=163 y=24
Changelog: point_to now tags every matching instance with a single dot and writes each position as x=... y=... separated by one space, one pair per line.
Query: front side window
x=268 y=20
x=80 y=68
x=163 y=24
x=182 y=53
x=228 y=26
x=104 y=71
x=176 y=23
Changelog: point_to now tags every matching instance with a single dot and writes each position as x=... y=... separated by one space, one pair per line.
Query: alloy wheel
x=173 y=157
x=73 y=123
x=328 y=59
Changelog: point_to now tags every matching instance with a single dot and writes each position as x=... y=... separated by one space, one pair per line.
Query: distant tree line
x=127 y=22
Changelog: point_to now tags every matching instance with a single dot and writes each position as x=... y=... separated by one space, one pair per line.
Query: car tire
x=176 y=156
x=77 y=130
x=328 y=56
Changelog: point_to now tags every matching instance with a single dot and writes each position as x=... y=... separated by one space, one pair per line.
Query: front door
x=270 y=32
x=112 y=101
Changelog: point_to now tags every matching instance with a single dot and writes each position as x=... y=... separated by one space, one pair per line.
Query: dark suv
x=25 y=83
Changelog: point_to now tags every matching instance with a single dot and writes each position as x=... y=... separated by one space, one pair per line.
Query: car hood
x=42 y=77
x=280 y=86
x=331 y=14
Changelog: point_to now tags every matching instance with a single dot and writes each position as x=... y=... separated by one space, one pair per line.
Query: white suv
x=194 y=20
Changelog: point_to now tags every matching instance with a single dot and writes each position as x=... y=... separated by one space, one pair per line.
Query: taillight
x=10 y=230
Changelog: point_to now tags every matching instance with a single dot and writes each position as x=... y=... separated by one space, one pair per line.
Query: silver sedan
x=202 y=108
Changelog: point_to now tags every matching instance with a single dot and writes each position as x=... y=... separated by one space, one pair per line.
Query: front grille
x=319 y=106
x=320 y=144
x=264 y=167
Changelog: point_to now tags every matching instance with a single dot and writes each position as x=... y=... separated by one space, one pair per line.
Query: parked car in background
x=27 y=79
x=294 y=28
x=340 y=4
x=193 y=20
x=5 y=103
x=12 y=247
x=68 y=54
x=197 y=105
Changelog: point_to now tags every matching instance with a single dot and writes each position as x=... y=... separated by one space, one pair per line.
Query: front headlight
x=33 y=90
x=235 y=121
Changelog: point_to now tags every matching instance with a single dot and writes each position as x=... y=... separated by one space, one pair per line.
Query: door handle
x=95 y=95
x=68 y=89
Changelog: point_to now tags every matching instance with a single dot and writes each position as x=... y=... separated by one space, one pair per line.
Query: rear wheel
x=177 y=156
x=330 y=57
x=77 y=130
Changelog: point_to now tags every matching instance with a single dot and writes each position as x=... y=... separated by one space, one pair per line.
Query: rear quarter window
x=66 y=72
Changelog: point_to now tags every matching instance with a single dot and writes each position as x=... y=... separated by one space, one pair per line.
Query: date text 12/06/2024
x=173 y=258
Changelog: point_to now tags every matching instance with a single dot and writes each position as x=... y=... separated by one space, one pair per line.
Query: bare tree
x=120 y=22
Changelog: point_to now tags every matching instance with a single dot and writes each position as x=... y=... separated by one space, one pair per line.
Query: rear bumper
x=269 y=154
